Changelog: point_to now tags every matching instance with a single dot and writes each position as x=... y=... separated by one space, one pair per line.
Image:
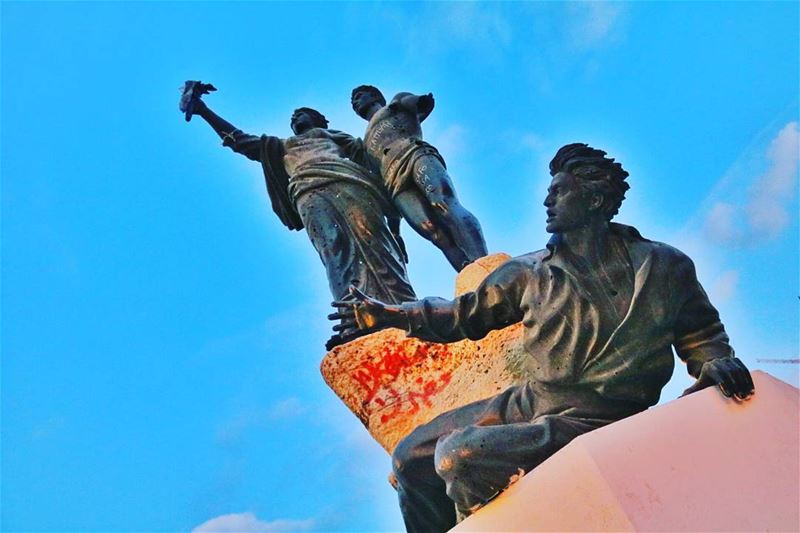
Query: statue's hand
x=362 y=313
x=191 y=103
x=729 y=374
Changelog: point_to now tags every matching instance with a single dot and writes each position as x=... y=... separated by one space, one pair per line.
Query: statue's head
x=363 y=99
x=586 y=187
x=305 y=118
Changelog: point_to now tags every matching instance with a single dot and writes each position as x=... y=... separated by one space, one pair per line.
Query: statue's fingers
x=743 y=380
x=341 y=315
x=725 y=384
x=349 y=333
x=344 y=326
x=750 y=383
x=343 y=303
x=356 y=292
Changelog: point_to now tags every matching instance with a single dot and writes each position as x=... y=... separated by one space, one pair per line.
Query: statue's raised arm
x=192 y=104
x=315 y=183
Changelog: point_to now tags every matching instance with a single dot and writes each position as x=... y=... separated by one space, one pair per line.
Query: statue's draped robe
x=578 y=377
x=313 y=182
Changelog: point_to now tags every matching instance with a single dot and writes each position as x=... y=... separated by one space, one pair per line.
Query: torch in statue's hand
x=190 y=97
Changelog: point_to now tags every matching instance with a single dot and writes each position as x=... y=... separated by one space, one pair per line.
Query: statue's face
x=363 y=100
x=568 y=206
x=302 y=122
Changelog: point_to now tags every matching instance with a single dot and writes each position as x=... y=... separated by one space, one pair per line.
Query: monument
x=571 y=338
x=601 y=309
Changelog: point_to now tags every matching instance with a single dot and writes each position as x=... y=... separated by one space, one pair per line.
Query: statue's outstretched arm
x=495 y=304
x=243 y=143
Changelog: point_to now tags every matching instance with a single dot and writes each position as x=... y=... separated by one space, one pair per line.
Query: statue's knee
x=401 y=457
x=408 y=458
x=454 y=457
x=428 y=227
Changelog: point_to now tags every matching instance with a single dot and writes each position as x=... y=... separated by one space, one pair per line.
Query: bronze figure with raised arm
x=415 y=175
x=602 y=309
x=316 y=180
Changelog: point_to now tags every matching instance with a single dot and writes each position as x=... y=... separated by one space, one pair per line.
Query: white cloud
x=594 y=23
x=477 y=23
x=723 y=223
x=724 y=287
x=248 y=522
x=440 y=27
x=232 y=431
x=765 y=212
x=450 y=141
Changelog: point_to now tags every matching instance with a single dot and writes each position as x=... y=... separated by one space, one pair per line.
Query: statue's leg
x=418 y=213
x=479 y=462
x=434 y=182
x=422 y=491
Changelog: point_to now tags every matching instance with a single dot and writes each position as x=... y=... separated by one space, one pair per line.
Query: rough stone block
x=393 y=383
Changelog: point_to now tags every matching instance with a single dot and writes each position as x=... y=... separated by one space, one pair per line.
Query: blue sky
x=162 y=331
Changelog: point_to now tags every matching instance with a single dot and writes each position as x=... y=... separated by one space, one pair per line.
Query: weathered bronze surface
x=602 y=308
x=317 y=180
x=414 y=173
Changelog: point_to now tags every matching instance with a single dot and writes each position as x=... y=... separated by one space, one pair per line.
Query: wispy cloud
x=765 y=211
x=450 y=141
x=249 y=523
x=476 y=23
x=48 y=428
x=232 y=431
x=724 y=287
x=592 y=24
x=444 y=26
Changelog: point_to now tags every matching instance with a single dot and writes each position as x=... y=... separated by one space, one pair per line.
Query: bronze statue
x=316 y=180
x=415 y=175
x=602 y=308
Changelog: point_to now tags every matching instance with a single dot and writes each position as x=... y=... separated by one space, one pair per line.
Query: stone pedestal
x=699 y=463
x=393 y=383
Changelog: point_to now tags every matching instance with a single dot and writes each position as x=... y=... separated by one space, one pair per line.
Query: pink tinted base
x=699 y=463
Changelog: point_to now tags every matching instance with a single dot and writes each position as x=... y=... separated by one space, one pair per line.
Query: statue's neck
x=374 y=108
x=590 y=242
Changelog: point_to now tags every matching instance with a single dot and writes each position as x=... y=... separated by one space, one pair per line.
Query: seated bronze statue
x=602 y=308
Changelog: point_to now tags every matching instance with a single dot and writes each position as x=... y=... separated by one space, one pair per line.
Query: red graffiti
x=380 y=374
x=413 y=399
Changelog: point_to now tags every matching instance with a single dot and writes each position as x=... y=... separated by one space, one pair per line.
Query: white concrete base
x=699 y=463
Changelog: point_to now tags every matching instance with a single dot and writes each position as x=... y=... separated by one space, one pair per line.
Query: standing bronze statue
x=316 y=180
x=602 y=309
x=415 y=175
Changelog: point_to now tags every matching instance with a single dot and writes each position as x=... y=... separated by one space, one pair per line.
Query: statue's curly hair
x=595 y=172
x=318 y=117
x=369 y=89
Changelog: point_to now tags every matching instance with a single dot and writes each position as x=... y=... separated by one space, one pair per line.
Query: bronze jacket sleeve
x=699 y=334
x=495 y=304
x=243 y=143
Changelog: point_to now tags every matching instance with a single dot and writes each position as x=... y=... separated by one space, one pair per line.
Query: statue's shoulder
x=396 y=105
x=532 y=262
x=663 y=251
